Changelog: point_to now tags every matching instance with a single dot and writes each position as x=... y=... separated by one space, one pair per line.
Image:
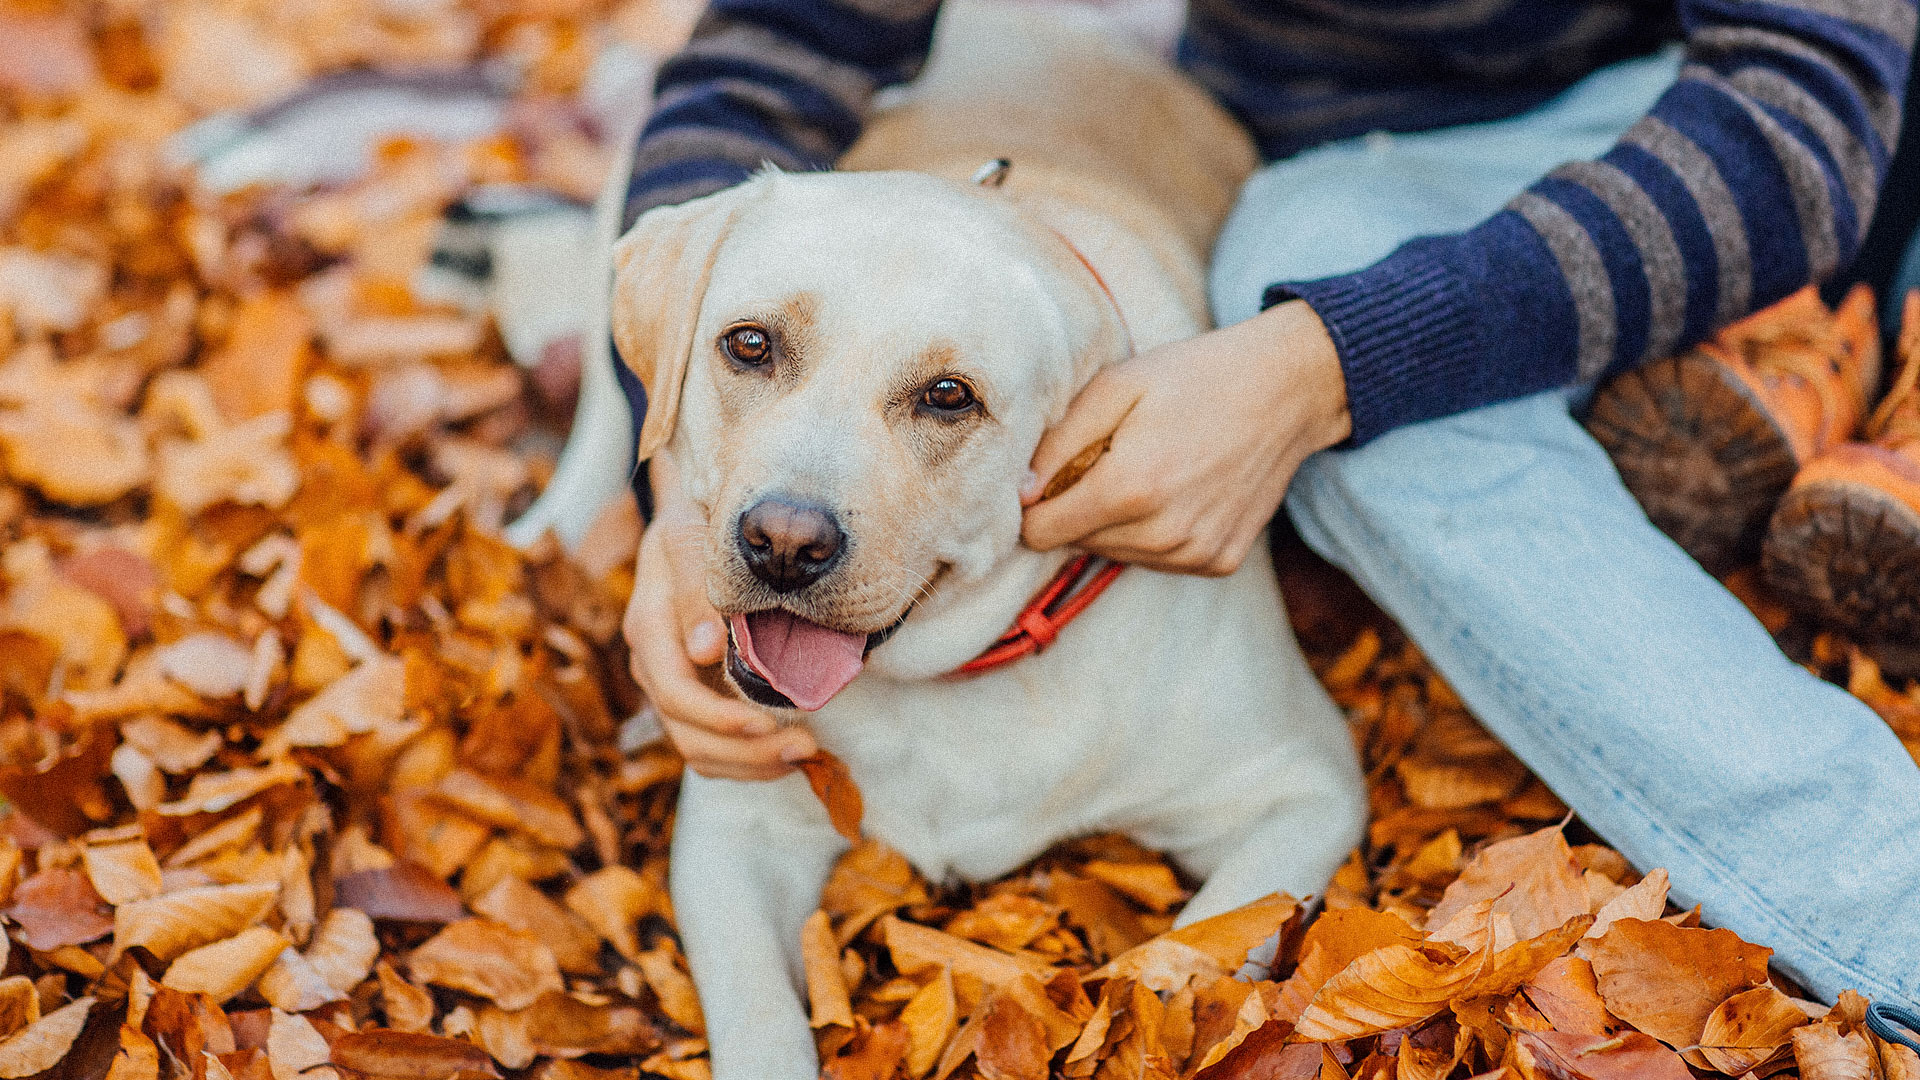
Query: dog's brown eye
x=748 y=345
x=948 y=395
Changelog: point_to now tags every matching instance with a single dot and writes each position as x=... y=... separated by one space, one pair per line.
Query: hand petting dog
x=1172 y=493
x=1205 y=437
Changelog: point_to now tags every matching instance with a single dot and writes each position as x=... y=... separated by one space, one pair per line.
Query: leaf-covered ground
x=314 y=775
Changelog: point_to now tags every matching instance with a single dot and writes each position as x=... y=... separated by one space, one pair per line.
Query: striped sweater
x=1755 y=174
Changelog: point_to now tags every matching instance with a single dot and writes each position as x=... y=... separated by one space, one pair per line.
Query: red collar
x=1065 y=597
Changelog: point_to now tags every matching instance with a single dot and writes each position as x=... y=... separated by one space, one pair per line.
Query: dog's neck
x=957 y=620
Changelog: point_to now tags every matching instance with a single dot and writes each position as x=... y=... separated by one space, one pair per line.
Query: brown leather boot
x=1844 y=545
x=1709 y=440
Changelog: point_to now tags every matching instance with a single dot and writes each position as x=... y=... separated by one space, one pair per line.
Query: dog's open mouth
x=786 y=662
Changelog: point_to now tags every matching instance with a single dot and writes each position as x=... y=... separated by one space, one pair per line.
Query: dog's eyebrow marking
x=793 y=323
x=932 y=440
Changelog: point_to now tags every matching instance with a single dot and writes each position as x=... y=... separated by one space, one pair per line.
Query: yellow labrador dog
x=849 y=372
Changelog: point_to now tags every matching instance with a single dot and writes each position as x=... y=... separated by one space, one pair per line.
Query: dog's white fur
x=1176 y=709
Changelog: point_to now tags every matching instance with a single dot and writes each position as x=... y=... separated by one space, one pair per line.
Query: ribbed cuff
x=1409 y=345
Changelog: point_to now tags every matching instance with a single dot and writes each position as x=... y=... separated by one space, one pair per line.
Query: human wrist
x=1305 y=363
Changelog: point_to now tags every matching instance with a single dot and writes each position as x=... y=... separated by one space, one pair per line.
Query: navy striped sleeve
x=771 y=82
x=1755 y=174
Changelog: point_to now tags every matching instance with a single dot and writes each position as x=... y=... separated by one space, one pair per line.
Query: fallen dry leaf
x=1748 y=1029
x=406 y=1055
x=59 y=906
x=833 y=785
x=1531 y=879
x=225 y=968
x=1822 y=1052
x=171 y=924
x=44 y=1042
x=483 y=957
x=1629 y=1056
x=1666 y=980
x=826 y=985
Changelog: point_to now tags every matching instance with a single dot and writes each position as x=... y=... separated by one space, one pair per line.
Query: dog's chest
x=1128 y=723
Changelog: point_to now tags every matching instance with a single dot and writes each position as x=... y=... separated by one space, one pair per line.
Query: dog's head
x=852 y=371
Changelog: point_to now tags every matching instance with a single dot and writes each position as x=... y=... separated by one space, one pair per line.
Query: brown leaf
x=1265 y=1055
x=931 y=1017
x=513 y=804
x=1151 y=885
x=404 y=892
x=1013 y=1044
x=1205 y=949
x=406 y=1055
x=123 y=871
x=225 y=968
x=1748 y=1029
x=1643 y=900
x=344 y=948
x=1629 y=1056
x=870 y=880
x=408 y=1007
x=211 y=792
x=672 y=987
x=1007 y=921
x=833 y=785
x=918 y=949
x=1388 y=988
x=175 y=922
x=58 y=906
x=1531 y=879
x=292 y=985
x=296 y=1049
x=873 y=1055
x=1520 y=962
x=826 y=986
x=1666 y=980
x=19 y=1004
x=517 y=904
x=613 y=900
x=483 y=957
x=1334 y=940
x=138 y=1059
x=1565 y=993
x=44 y=1042
x=1823 y=1053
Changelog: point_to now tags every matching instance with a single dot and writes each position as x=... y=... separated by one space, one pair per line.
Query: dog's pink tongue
x=803 y=660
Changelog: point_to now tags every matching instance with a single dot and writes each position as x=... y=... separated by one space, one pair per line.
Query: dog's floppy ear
x=661 y=268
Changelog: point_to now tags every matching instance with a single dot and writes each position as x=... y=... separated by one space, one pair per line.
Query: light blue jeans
x=1625 y=676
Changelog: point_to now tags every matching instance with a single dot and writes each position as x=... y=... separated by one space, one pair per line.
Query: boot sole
x=1705 y=459
x=1849 y=556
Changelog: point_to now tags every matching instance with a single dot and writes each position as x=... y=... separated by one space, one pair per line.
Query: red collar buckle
x=1078 y=584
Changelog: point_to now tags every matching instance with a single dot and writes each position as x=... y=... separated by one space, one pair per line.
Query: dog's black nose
x=789 y=545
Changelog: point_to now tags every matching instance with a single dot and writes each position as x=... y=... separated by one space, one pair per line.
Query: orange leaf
x=1013 y=1043
x=1748 y=1029
x=1336 y=939
x=1388 y=988
x=1822 y=1053
x=1666 y=980
x=826 y=985
x=1531 y=879
x=406 y=1055
x=1565 y=993
x=833 y=785
x=1631 y=1056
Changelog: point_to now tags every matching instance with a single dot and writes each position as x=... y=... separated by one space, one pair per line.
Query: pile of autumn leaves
x=1522 y=956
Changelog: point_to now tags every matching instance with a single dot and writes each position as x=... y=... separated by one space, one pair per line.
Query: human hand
x=1206 y=436
x=672 y=632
